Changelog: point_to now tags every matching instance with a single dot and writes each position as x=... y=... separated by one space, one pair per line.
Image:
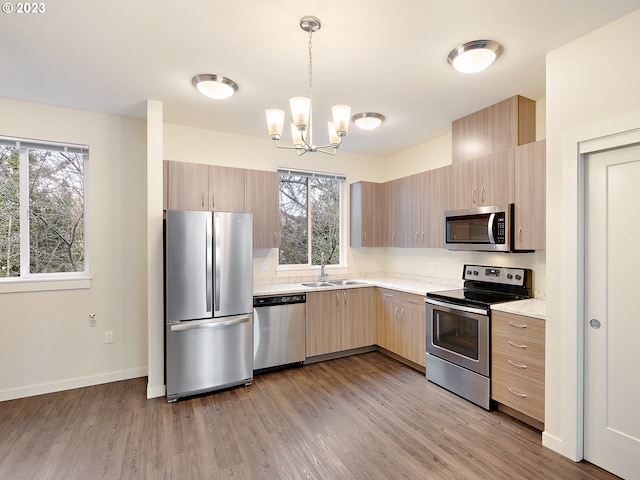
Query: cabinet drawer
x=523 y=330
x=517 y=392
x=528 y=367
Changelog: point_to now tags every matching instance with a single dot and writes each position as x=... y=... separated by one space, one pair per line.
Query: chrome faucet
x=323 y=276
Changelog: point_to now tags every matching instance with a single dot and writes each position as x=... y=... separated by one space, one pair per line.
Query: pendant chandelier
x=301 y=111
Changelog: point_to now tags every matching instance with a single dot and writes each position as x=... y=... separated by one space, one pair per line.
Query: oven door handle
x=463 y=308
x=492 y=219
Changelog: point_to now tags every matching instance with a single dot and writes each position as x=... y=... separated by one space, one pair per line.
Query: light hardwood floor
x=360 y=417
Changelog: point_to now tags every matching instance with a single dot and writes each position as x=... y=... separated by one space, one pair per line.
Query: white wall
x=46 y=342
x=589 y=81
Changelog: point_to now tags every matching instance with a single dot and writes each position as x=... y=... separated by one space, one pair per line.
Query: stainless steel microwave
x=483 y=229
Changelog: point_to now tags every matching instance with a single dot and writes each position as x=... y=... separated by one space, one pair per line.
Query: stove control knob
x=469 y=272
x=509 y=276
x=475 y=272
x=518 y=277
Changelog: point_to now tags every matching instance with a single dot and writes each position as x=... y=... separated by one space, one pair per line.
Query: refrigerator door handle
x=209 y=253
x=196 y=324
x=217 y=260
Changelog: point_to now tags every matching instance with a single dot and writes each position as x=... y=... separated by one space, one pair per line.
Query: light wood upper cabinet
x=187 y=186
x=499 y=127
x=483 y=181
x=517 y=363
x=194 y=186
x=530 y=196
x=339 y=320
x=408 y=212
x=262 y=191
x=226 y=189
x=434 y=202
x=390 y=213
x=366 y=217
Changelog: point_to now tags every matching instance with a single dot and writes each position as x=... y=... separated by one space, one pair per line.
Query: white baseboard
x=71 y=383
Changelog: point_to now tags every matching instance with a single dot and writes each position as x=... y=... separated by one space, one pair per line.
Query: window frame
x=308 y=268
x=28 y=281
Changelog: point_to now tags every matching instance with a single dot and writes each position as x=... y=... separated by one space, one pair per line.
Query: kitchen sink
x=318 y=284
x=347 y=282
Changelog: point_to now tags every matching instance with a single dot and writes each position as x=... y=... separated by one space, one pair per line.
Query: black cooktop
x=480 y=298
x=485 y=286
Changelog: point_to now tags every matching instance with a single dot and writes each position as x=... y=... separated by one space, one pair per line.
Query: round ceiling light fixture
x=214 y=86
x=475 y=56
x=367 y=120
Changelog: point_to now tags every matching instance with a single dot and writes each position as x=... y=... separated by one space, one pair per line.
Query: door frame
x=576 y=146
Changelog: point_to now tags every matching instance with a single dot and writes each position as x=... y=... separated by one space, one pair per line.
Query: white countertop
x=533 y=307
x=408 y=286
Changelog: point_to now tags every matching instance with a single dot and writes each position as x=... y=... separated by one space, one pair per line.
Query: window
x=310 y=218
x=42 y=208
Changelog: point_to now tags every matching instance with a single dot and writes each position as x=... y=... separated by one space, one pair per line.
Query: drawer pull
x=519 y=325
x=516 y=345
x=519 y=365
x=523 y=395
x=414 y=301
x=388 y=295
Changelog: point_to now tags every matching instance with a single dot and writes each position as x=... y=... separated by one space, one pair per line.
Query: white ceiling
x=374 y=55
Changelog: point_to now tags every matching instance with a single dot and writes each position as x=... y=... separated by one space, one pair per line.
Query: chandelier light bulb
x=275 y=122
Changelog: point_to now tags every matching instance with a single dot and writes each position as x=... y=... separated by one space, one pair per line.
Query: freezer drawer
x=207 y=355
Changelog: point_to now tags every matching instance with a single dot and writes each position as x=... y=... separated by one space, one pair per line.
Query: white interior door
x=612 y=333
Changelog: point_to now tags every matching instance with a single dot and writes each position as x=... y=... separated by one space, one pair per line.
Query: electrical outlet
x=262 y=266
x=108 y=337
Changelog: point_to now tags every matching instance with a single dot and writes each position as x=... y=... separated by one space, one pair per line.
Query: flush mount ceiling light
x=301 y=109
x=472 y=57
x=214 y=86
x=368 y=120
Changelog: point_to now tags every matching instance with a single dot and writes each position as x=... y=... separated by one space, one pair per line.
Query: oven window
x=456 y=333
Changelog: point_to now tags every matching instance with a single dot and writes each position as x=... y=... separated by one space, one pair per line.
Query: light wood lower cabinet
x=400 y=324
x=517 y=363
x=339 y=320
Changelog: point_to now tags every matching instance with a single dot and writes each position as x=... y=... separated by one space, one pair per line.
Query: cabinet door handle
x=202 y=200
x=396 y=313
x=402 y=315
x=473 y=196
x=345 y=297
x=519 y=365
x=213 y=201
x=365 y=238
x=482 y=195
x=393 y=238
x=516 y=345
x=337 y=299
x=519 y=325
x=523 y=395
x=520 y=234
x=422 y=240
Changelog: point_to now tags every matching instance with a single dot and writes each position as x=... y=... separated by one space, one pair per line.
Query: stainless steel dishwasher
x=278 y=331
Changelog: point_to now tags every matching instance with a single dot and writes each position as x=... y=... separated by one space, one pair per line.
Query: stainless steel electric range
x=459 y=329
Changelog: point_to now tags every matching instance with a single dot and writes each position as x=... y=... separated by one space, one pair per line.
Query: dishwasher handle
x=210 y=323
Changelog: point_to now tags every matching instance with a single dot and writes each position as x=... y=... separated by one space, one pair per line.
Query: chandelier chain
x=310 y=60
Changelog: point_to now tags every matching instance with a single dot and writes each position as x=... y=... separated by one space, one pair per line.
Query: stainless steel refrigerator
x=208 y=301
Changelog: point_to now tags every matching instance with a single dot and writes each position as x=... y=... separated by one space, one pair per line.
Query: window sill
x=21 y=285
x=300 y=271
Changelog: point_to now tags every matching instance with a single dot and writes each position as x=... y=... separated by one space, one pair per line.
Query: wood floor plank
x=360 y=417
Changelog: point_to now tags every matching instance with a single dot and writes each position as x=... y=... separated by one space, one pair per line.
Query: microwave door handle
x=492 y=238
